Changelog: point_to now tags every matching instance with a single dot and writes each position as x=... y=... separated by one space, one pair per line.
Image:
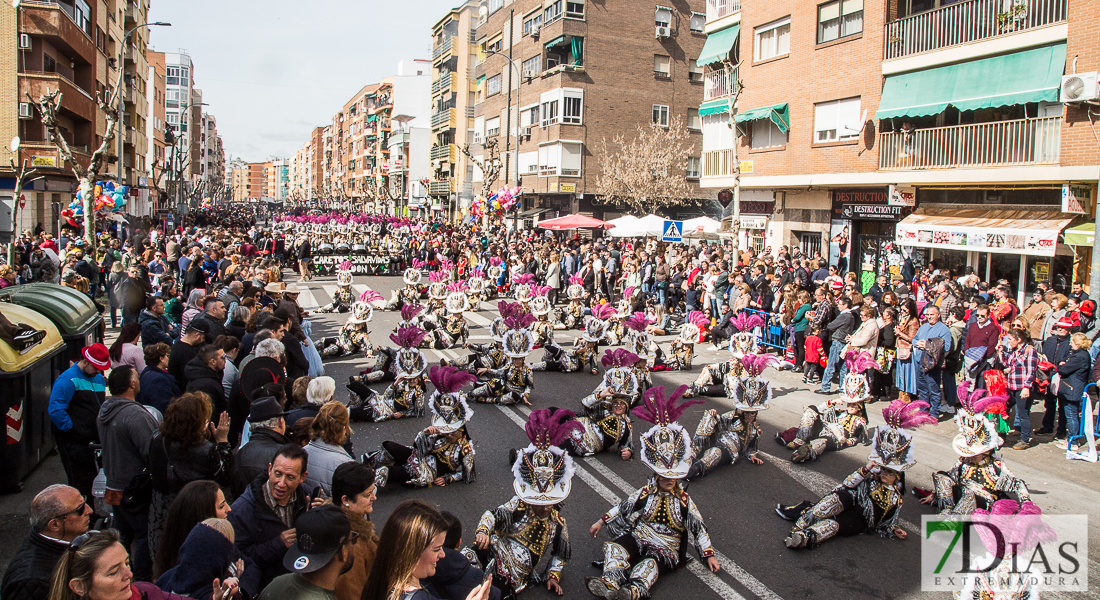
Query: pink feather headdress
x=418 y=264
x=495 y=260
x=978 y=401
x=546 y=429
x=370 y=296
x=576 y=280
x=859 y=361
x=628 y=292
x=409 y=311
x=540 y=290
x=619 y=357
x=660 y=409
x=344 y=266
x=603 y=311
x=449 y=379
x=509 y=309
x=526 y=278
x=458 y=286
x=755 y=364
x=408 y=337
x=437 y=277
x=746 y=322
x=636 y=322
x=521 y=321
x=697 y=318
x=446 y=265
x=1021 y=527
x=908 y=415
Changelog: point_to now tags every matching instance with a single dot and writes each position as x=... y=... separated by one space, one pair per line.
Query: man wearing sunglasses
x=58 y=515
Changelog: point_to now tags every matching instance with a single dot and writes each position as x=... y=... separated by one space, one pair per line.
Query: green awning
x=778 y=113
x=714 y=107
x=1082 y=235
x=1017 y=78
x=719 y=44
x=554 y=42
x=372 y=118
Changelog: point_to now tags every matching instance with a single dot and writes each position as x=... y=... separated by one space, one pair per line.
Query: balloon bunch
x=109 y=198
x=498 y=205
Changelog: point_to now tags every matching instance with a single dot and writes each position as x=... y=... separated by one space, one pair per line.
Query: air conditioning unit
x=535 y=31
x=24 y=41
x=25 y=110
x=1080 y=87
x=664 y=32
x=526 y=131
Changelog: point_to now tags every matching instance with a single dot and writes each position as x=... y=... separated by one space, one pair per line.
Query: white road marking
x=306 y=299
x=478 y=319
x=697 y=568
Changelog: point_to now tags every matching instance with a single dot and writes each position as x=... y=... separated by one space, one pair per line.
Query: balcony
x=719 y=84
x=441 y=187
x=53 y=22
x=995 y=144
x=74 y=100
x=716 y=9
x=444 y=153
x=444 y=49
x=46 y=156
x=445 y=82
x=133 y=14
x=719 y=163
x=967 y=22
x=445 y=119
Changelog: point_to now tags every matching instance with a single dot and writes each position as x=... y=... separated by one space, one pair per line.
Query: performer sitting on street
x=979 y=478
x=581 y=356
x=543 y=329
x=410 y=294
x=683 y=347
x=476 y=291
x=723 y=439
x=511 y=384
x=455 y=330
x=484 y=356
x=652 y=528
x=526 y=538
x=870 y=499
x=712 y=380
x=605 y=419
x=405 y=396
x=573 y=315
x=744 y=341
x=837 y=423
x=618 y=367
x=343 y=298
x=442 y=453
x=437 y=294
x=353 y=337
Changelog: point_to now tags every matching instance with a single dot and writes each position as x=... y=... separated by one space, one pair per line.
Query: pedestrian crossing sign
x=674 y=231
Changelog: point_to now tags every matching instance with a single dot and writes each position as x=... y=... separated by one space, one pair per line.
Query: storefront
x=756 y=210
x=862 y=233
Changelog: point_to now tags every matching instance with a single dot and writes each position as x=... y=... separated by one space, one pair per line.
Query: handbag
x=139 y=493
x=905 y=353
x=933 y=355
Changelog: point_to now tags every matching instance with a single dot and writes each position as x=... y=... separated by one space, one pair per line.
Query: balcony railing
x=445 y=117
x=995 y=144
x=967 y=22
x=716 y=9
x=445 y=82
x=719 y=163
x=444 y=47
x=445 y=152
x=441 y=187
x=719 y=84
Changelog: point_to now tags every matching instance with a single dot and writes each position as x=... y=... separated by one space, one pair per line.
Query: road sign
x=22 y=200
x=674 y=231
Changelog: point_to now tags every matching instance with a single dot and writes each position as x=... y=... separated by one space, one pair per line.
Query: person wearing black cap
x=322 y=552
x=186 y=348
x=268 y=433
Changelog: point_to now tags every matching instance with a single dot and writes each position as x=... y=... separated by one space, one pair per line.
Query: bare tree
x=48 y=105
x=22 y=176
x=490 y=164
x=647 y=171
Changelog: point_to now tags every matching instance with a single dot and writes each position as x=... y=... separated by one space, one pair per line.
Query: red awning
x=572 y=222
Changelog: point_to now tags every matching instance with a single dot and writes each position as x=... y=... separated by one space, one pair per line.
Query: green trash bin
x=71 y=311
x=25 y=383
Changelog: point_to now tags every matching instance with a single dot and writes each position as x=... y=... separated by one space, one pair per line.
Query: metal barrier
x=773 y=334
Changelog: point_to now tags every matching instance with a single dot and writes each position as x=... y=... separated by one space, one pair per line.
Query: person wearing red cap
x=74 y=406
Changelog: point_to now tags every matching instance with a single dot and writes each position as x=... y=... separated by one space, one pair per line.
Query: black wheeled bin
x=71 y=311
x=25 y=383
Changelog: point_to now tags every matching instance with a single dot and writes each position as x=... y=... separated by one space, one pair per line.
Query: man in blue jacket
x=263 y=517
x=75 y=401
x=929 y=383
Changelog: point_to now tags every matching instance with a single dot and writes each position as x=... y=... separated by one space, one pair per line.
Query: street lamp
x=508 y=136
x=121 y=72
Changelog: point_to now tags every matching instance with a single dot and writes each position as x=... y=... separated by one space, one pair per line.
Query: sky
x=273 y=70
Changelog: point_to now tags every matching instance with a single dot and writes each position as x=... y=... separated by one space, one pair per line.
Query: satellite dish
x=15 y=142
x=483 y=10
x=15 y=4
x=860 y=125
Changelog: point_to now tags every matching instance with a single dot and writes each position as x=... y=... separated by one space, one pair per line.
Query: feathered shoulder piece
x=859 y=361
x=980 y=401
x=458 y=286
x=437 y=277
x=603 y=311
x=449 y=379
x=408 y=337
x=659 y=409
x=755 y=364
x=619 y=357
x=409 y=311
x=370 y=296
x=746 y=322
x=576 y=280
x=526 y=278
x=520 y=321
x=546 y=429
x=636 y=322
x=908 y=415
x=697 y=318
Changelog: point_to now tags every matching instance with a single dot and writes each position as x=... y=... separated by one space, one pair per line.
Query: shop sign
x=1009 y=241
x=754 y=222
x=553 y=187
x=871 y=212
x=757 y=207
x=745 y=167
x=567 y=187
x=43 y=161
x=902 y=195
x=1075 y=198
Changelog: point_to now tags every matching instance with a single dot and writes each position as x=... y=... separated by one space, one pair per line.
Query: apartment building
x=317 y=157
x=277 y=179
x=454 y=93
x=135 y=105
x=179 y=84
x=869 y=131
x=257 y=186
x=212 y=154
x=238 y=178
x=409 y=143
x=154 y=127
x=355 y=143
x=587 y=73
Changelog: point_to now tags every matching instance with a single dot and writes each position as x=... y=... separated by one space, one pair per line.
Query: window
x=549 y=112
x=492 y=86
x=663 y=17
x=662 y=66
x=492 y=127
x=773 y=39
x=766 y=135
x=838 y=19
x=837 y=120
x=529 y=163
x=561 y=158
x=698 y=21
x=574 y=9
x=694 y=167
x=552 y=12
x=534 y=22
x=495 y=5
x=695 y=72
x=495 y=44
x=660 y=115
x=529 y=116
x=532 y=67
x=693 y=121
x=570 y=159
x=571 y=110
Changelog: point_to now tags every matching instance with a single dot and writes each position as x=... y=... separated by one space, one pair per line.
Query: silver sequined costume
x=601 y=429
x=723 y=439
x=528 y=549
x=510 y=384
x=967 y=486
x=860 y=504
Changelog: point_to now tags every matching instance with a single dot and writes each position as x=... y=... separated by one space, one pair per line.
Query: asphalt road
x=736 y=501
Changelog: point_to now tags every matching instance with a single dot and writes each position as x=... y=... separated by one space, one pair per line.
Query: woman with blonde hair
x=410 y=546
x=329 y=432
